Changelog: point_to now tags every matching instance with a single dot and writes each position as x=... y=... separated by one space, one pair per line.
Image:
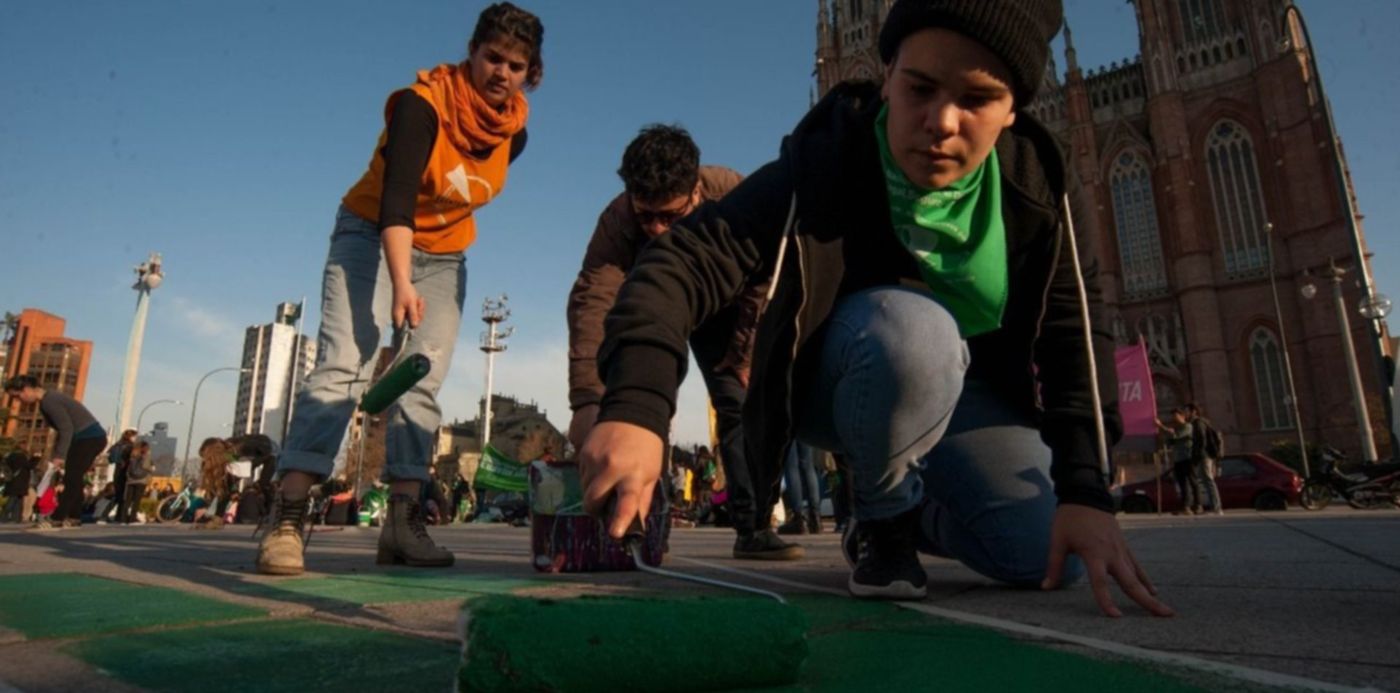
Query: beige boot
x=280 y=552
x=404 y=538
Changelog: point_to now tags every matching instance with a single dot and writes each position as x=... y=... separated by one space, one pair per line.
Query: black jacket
x=817 y=221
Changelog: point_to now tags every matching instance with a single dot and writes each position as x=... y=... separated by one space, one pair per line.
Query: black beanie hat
x=1018 y=31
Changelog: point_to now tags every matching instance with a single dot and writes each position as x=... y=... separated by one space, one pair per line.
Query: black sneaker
x=886 y=558
x=765 y=545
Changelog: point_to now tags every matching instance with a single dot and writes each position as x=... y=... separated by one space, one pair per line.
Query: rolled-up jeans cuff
x=313 y=463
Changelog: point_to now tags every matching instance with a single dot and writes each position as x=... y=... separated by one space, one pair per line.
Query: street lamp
x=1287 y=361
x=493 y=341
x=1374 y=306
x=194 y=406
x=1358 y=395
x=152 y=404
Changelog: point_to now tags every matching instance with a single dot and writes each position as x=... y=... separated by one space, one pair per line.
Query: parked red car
x=1249 y=480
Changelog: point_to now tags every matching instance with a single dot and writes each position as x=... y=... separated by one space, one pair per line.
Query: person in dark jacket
x=140 y=469
x=664 y=181
x=932 y=318
x=19 y=486
x=80 y=439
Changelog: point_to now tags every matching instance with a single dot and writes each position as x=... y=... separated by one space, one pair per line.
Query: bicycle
x=173 y=508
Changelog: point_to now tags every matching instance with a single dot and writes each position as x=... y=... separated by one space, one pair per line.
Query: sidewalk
x=1265 y=600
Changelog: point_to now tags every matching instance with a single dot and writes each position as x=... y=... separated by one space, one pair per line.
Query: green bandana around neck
x=956 y=235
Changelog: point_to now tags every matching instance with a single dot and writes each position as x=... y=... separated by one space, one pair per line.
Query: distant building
x=278 y=360
x=163 y=448
x=36 y=346
x=519 y=430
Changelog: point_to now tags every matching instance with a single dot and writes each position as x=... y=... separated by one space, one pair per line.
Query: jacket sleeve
x=679 y=281
x=750 y=306
x=605 y=265
x=1062 y=365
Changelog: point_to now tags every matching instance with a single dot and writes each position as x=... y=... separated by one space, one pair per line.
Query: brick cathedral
x=1189 y=152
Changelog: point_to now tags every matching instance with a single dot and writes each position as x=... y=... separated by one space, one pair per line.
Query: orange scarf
x=472 y=124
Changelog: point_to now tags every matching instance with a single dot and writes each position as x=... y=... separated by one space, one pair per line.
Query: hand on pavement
x=620 y=459
x=1095 y=537
x=581 y=424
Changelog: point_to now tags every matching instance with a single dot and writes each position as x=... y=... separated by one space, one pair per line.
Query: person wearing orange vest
x=396 y=256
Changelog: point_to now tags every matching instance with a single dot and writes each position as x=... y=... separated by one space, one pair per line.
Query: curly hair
x=21 y=382
x=504 y=20
x=661 y=163
x=213 y=467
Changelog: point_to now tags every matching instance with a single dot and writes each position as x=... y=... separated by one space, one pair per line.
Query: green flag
x=501 y=473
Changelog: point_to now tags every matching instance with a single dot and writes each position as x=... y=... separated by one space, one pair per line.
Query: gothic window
x=1239 y=206
x=1201 y=19
x=1266 y=360
x=1135 y=217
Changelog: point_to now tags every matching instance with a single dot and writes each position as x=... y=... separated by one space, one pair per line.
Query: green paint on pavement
x=388 y=588
x=273 y=656
x=857 y=645
x=55 y=605
x=606 y=644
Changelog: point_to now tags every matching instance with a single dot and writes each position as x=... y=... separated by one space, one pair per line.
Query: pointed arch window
x=1239 y=207
x=1201 y=19
x=1135 y=219
x=1270 y=388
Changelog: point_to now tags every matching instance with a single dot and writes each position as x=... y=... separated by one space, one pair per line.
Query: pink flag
x=1137 y=403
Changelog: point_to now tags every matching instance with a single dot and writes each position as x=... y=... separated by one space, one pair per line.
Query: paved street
x=1264 y=600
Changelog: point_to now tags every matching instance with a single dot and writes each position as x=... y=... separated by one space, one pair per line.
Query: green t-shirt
x=956 y=235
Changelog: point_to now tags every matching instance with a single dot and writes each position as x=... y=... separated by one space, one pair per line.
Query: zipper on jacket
x=1044 y=304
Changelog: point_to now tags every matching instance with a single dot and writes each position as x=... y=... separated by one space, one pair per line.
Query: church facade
x=1209 y=165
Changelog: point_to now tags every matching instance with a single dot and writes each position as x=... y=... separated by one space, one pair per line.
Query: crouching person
x=928 y=319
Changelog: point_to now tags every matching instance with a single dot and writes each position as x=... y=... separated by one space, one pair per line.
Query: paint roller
x=610 y=644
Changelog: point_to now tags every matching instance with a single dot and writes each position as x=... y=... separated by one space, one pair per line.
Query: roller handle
x=635 y=535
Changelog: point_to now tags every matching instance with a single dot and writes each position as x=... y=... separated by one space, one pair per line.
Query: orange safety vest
x=454 y=185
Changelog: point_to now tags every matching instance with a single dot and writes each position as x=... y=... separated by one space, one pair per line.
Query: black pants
x=80 y=456
x=118 y=504
x=750 y=496
x=131 y=502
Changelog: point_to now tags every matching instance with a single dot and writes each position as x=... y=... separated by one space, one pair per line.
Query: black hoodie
x=817 y=222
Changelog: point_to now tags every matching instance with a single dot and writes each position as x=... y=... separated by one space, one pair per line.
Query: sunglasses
x=664 y=217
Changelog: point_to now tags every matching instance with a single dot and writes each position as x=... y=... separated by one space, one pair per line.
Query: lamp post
x=1287 y=361
x=1371 y=303
x=1334 y=274
x=493 y=313
x=194 y=406
x=142 y=415
x=148 y=277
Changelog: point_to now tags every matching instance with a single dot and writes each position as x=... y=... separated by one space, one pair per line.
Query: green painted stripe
x=55 y=605
x=274 y=656
x=388 y=588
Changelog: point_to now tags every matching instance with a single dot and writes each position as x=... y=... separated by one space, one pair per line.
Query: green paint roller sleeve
x=395 y=383
x=611 y=644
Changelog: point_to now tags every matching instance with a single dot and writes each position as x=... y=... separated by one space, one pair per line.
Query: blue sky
x=224 y=134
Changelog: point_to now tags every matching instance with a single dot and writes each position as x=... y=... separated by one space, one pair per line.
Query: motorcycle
x=1364 y=487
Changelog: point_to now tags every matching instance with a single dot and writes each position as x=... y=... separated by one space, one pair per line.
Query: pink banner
x=1137 y=403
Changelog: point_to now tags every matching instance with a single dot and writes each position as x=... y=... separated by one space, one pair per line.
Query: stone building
x=1191 y=152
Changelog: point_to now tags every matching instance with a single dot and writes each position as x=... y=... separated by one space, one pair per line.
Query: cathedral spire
x=1071 y=56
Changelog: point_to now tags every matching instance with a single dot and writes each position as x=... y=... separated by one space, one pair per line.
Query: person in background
x=1205 y=466
x=216 y=483
x=19 y=489
x=801 y=491
x=1181 y=439
x=140 y=468
x=117 y=458
x=80 y=439
x=397 y=258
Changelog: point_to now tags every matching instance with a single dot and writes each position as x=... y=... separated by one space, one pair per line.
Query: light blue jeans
x=890 y=397
x=356 y=301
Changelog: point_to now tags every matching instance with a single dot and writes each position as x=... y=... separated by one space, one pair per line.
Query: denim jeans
x=801 y=487
x=356 y=299
x=890 y=397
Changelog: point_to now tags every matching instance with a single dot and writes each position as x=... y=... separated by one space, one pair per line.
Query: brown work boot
x=280 y=552
x=404 y=538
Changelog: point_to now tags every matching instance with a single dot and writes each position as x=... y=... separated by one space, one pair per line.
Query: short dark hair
x=21 y=382
x=660 y=163
x=503 y=20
